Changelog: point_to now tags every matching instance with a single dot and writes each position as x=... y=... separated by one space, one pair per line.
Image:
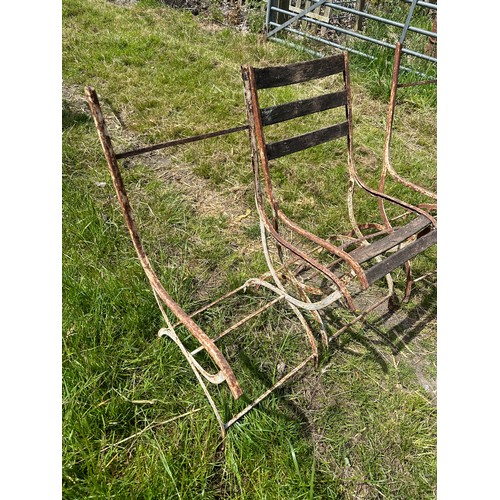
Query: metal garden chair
x=356 y=264
x=364 y=258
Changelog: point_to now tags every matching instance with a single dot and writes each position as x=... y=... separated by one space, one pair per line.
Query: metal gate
x=357 y=26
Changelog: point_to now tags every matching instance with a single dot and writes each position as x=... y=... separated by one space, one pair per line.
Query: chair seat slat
x=401 y=256
x=398 y=236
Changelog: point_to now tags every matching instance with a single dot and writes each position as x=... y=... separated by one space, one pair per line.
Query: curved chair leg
x=279 y=288
x=217 y=378
x=309 y=335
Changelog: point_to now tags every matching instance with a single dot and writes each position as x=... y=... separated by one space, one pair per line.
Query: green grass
x=135 y=421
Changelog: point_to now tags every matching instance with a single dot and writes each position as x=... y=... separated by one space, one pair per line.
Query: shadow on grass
x=295 y=412
x=390 y=331
x=72 y=117
x=394 y=330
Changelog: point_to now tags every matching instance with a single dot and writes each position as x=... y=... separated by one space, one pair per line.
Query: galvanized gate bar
x=275 y=8
x=352 y=33
x=413 y=84
x=319 y=3
x=424 y=4
x=380 y=19
x=332 y=44
x=407 y=22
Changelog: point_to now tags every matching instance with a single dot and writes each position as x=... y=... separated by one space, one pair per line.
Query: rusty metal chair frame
x=408 y=240
x=164 y=299
x=387 y=167
x=405 y=242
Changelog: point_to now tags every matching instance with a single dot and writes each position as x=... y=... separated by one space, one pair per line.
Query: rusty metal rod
x=239 y=323
x=220 y=299
x=413 y=84
x=269 y=391
x=178 y=142
x=156 y=285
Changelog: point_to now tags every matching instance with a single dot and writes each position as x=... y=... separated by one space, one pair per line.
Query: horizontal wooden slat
x=304 y=141
x=399 y=235
x=303 y=107
x=400 y=257
x=277 y=76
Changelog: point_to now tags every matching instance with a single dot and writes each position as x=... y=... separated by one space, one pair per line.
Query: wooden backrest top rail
x=279 y=76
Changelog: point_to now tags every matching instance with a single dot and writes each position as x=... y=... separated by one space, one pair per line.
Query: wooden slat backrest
x=304 y=141
x=278 y=76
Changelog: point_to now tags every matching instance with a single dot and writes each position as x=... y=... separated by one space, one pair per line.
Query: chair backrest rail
x=278 y=76
x=290 y=110
x=304 y=141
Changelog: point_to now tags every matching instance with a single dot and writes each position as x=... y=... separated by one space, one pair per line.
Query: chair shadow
x=287 y=410
x=394 y=329
x=295 y=413
x=405 y=326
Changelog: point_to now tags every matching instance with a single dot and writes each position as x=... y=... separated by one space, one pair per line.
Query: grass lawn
x=135 y=421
